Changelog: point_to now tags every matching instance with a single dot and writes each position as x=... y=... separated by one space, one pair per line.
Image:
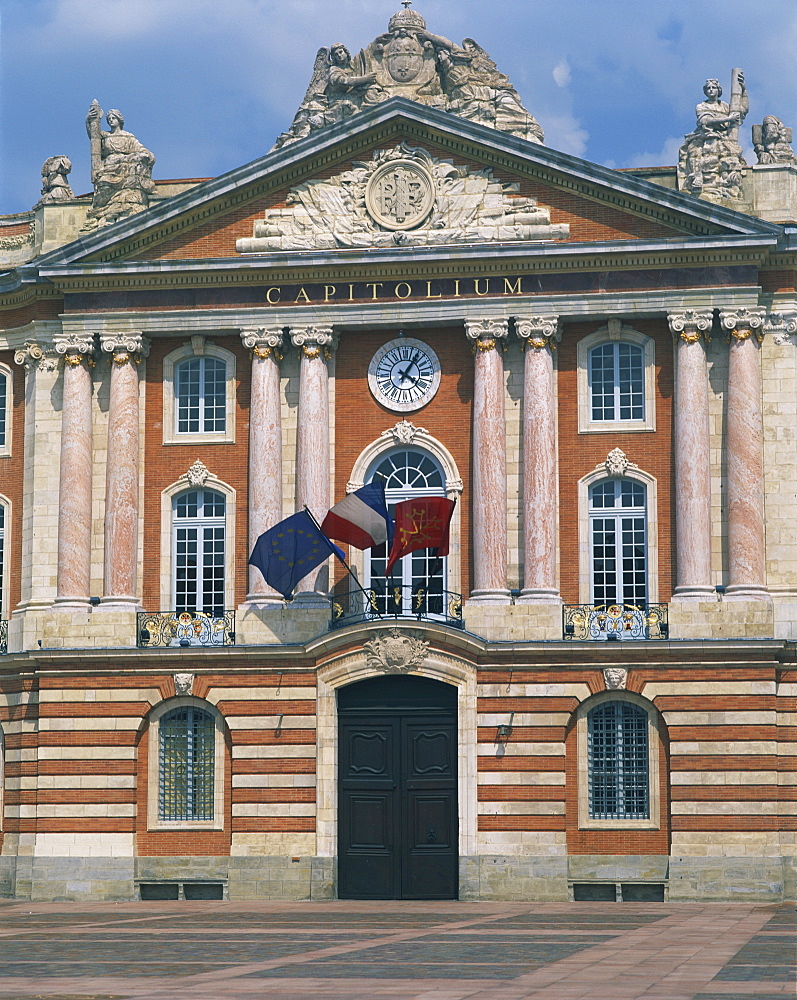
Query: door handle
x=431 y=836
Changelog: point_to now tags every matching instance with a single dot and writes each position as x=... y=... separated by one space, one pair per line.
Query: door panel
x=398 y=805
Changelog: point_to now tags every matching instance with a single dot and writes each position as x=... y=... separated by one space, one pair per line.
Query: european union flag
x=290 y=550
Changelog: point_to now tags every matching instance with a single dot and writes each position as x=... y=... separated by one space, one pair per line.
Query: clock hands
x=404 y=375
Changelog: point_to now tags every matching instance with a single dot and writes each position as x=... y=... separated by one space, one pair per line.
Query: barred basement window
x=187 y=765
x=617 y=751
x=201 y=396
x=617 y=382
x=199 y=529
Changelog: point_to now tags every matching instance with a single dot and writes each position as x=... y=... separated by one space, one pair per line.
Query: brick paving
x=397 y=950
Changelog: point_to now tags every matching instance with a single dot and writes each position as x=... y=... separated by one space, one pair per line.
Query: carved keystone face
x=404 y=58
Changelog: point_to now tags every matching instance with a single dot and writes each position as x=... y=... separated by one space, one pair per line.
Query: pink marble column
x=315 y=346
x=74 y=495
x=539 y=336
x=744 y=458
x=488 y=475
x=692 y=458
x=121 y=479
x=265 y=451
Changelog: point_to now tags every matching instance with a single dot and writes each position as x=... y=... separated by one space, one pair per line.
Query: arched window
x=186 y=765
x=198 y=551
x=408 y=473
x=617 y=382
x=618 y=542
x=618 y=762
x=200 y=396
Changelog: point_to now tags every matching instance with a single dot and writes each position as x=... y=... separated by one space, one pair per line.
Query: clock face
x=404 y=374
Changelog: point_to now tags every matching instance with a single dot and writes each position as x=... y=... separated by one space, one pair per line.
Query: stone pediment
x=403 y=196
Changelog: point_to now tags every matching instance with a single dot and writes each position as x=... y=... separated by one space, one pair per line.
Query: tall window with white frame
x=617 y=382
x=4 y=394
x=418 y=580
x=200 y=396
x=187 y=760
x=198 y=553
x=618 y=542
x=2 y=558
x=617 y=753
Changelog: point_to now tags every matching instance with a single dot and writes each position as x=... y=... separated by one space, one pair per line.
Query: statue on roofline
x=772 y=142
x=121 y=170
x=410 y=61
x=711 y=163
x=55 y=186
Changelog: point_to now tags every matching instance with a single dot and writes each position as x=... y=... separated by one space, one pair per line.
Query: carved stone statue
x=711 y=164
x=772 y=142
x=55 y=186
x=121 y=170
x=409 y=61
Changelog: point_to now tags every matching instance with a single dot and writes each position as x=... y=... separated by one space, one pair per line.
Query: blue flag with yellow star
x=290 y=550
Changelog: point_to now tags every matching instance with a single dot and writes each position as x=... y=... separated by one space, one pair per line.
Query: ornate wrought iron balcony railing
x=3 y=637
x=617 y=622
x=185 y=628
x=355 y=606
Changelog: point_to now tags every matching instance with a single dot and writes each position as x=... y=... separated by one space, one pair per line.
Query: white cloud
x=561 y=73
x=565 y=133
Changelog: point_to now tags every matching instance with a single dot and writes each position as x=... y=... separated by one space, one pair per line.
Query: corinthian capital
x=264 y=342
x=131 y=345
x=486 y=333
x=691 y=325
x=783 y=323
x=75 y=347
x=743 y=323
x=538 y=332
x=36 y=355
x=312 y=340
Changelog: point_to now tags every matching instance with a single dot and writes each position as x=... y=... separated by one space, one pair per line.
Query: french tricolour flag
x=361 y=519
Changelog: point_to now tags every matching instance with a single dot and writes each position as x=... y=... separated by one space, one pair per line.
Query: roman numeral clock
x=404 y=374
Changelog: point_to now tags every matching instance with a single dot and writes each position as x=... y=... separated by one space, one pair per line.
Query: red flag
x=420 y=524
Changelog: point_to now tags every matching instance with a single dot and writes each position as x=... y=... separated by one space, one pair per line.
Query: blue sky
x=207 y=85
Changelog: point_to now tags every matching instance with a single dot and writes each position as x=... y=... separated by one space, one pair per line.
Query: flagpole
x=333 y=551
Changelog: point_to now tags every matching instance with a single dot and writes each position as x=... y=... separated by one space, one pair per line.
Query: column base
x=746 y=592
x=695 y=593
x=257 y=602
x=539 y=595
x=310 y=599
x=497 y=596
x=121 y=603
x=71 y=604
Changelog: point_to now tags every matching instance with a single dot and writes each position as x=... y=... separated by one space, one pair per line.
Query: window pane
x=188 y=398
x=618 y=542
x=187 y=765
x=630 y=382
x=601 y=379
x=199 y=552
x=201 y=396
x=616 y=374
x=3 y=402
x=617 y=751
x=215 y=395
x=2 y=553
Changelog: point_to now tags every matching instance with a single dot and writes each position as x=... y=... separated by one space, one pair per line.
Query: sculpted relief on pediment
x=402 y=197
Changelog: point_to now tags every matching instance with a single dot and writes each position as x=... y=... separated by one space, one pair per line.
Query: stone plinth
x=721 y=620
x=276 y=625
x=514 y=622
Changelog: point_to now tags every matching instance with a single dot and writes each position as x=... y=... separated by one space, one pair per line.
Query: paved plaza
x=398 y=950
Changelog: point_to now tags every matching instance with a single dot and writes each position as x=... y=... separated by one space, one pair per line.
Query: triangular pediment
x=404 y=175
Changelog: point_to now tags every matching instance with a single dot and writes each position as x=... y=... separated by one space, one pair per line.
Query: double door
x=398 y=805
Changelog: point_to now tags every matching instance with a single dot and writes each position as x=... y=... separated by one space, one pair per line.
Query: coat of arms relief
x=402 y=197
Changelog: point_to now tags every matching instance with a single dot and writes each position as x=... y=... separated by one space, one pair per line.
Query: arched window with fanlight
x=618 y=542
x=198 y=551
x=418 y=581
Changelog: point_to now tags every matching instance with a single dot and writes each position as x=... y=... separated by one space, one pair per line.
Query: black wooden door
x=398 y=803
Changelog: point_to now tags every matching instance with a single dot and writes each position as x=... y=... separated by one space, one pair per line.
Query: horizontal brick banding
x=231 y=709
x=273 y=795
x=506 y=823
x=501 y=705
x=70 y=796
x=521 y=793
x=64 y=738
x=730 y=793
x=86 y=767
x=714 y=823
x=722 y=734
x=720 y=762
x=92 y=824
x=715 y=703
x=93 y=709
x=295 y=765
x=267 y=737
x=523 y=734
x=520 y=763
x=273 y=824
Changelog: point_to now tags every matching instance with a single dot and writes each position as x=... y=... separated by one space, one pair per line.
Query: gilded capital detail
x=313 y=341
x=130 y=346
x=691 y=325
x=486 y=334
x=741 y=324
x=75 y=348
x=538 y=332
x=264 y=342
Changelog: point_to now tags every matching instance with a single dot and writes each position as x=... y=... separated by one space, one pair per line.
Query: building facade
x=593 y=695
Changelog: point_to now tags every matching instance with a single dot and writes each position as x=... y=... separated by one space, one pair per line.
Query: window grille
x=408 y=473
x=3 y=405
x=201 y=396
x=618 y=542
x=617 y=382
x=187 y=765
x=199 y=552
x=617 y=749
